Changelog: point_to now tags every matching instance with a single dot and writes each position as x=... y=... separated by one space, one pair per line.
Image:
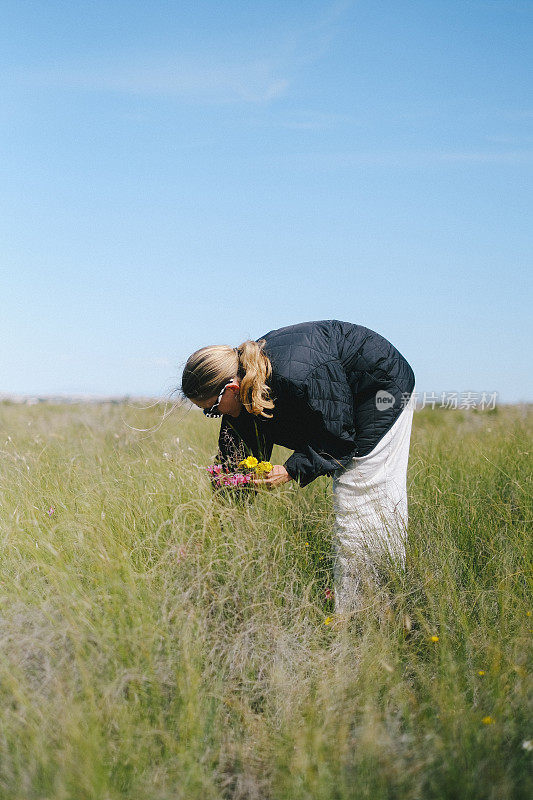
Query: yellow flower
x=481 y=672
x=328 y=620
x=264 y=466
x=487 y=721
x=307 y=544
x=434 y=639
x=249 y=462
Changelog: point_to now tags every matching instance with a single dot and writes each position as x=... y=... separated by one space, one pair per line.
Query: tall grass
x=158 y=642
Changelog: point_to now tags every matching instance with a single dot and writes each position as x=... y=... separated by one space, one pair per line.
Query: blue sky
x=179 y=174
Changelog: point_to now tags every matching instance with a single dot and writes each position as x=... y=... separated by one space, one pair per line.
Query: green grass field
x=159 y=642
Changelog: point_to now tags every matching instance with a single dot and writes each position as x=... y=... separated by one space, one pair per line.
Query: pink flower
x=221 y=478
x=329 y=594
x=51 y=511
x=243 y=480
x=214 y=469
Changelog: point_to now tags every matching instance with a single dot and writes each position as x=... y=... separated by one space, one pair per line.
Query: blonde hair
x=208 y=369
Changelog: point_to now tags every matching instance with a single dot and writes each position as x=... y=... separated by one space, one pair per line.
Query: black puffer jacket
x=337 y=387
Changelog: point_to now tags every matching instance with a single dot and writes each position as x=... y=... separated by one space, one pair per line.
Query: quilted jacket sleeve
x=327 y=403
x=307 y=464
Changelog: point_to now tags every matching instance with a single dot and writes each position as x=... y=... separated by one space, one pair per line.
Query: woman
x=340 y=396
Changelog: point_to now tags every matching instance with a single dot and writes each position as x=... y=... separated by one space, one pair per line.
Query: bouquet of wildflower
x=248 y=468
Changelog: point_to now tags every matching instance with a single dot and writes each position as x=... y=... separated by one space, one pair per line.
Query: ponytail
x=254 y=371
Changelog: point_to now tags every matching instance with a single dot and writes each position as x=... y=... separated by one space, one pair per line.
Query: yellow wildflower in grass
x=264 y=466
x=487 y=721
x=434 y=639
x=328 y=620
x=481 y=672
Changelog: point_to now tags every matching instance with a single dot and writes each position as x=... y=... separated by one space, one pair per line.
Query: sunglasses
x=213 y=411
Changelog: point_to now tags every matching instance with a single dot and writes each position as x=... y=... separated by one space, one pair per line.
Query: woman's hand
x=276 y=477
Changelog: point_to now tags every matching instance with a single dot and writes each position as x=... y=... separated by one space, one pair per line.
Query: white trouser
x=370 y=503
